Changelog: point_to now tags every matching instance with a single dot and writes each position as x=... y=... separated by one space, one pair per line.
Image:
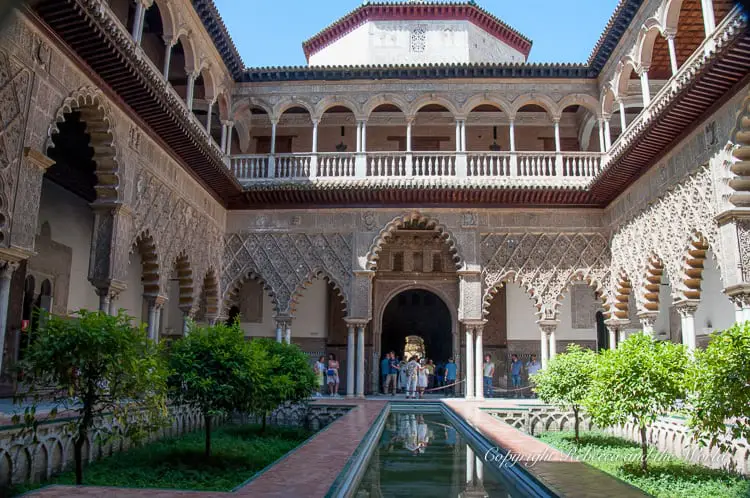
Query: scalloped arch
x=231 y=294
x=380 y=240
x=591 y=281
x=509 y=277
x=314 y=274
x=100 y=125
x=146 y=247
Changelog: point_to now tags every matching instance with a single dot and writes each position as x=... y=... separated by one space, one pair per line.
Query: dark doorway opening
x=421 y=313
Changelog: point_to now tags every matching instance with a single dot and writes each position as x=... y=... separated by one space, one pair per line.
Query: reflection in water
x=423 y=455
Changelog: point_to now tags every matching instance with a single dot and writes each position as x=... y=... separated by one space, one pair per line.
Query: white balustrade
x=250 y=167
x=336 y=164
x=490 y=164
x=555 y=168
x=293 y=165
x=581 y=164
x=388 y=164
x=536 y=163
x=434 y=163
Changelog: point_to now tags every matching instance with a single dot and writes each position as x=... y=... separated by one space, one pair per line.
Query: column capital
x=410 y=119
x=156 y=301
x=669 y=33
x=686 y=307
x=283 y=320
x=356 y=322
x=548 y=326
x=8 y=267
x=616 y=324
x=739 y=294
x=110 y=288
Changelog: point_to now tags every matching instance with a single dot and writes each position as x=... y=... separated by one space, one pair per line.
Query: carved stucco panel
x=664 y=230
x=287 y=261
x=544 y=264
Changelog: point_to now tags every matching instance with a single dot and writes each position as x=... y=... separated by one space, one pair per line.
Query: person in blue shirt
x=450 y=376
x=515 y=372
x=391 y=380
x=384 y=369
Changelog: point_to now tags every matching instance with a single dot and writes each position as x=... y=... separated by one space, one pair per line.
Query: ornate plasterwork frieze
x=544 y=264
x=286 y=263
x=665 y=230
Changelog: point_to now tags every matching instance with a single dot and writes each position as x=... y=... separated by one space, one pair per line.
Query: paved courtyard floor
x=311 y=469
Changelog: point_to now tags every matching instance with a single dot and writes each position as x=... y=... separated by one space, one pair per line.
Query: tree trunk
x=207 y=419
x=575 y=414
x=78 y=455
x=644 y=449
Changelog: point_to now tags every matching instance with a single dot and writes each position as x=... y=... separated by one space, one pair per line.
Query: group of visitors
x=414 y=376
x=516 y=369
x=328 y=375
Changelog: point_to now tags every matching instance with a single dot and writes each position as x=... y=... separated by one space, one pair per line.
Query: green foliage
x=567 y=379
x=637 y=382
x=285 y=373
x=239 y=452
x=93 y=365
x=719 y=386
x=667 y=477
x=212 y=370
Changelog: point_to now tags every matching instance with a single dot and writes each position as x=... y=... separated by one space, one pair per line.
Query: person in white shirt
x=412 y=377
x=489 y=373
x=533 y=367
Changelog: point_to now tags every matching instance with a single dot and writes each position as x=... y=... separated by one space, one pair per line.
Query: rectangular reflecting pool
x=424 y=455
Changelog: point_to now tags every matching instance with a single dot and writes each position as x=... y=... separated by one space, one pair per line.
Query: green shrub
x=637 y=382
x=720 y=387
x=567 y=379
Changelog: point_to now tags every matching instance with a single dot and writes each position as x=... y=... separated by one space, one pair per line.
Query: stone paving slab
x=560 y=472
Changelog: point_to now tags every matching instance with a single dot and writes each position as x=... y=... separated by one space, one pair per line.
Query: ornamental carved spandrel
x=15 y=88
x=743 y=236
x=544 y=264
x=665 y=230
x=286 y=262
x=172 y=222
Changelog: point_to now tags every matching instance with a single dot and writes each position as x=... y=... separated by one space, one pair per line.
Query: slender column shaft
x=408 y=135
x=557 y=135
x=224 y=137
x=364 y=136
x=185 y=323
x=612 y=337
x=152 y=331
x=104 y=302
x=709 y=20
x=158 y=323
x=113 y=306
x=167 y=59
x=545 y=348
x=512 y=135
x=137 y=23
x=622 y=336
x=5 y=278
x=359 y=136
x=645 y=90
x=279 y=332
x=315 y=137
x=479 y=374
x=469 y=363
x=552 y=344
x=360 y=361
x=458 y=136
x=350 y=362
x=607 y=136
x=470 y=460
x=463 y=135
x=672 y=55
x=230 y=129
x=602 y=147
x=623 y=120
x=273 y=136
x=209 y=115
x=688 y=329
x=288 y=334
x=190 y=90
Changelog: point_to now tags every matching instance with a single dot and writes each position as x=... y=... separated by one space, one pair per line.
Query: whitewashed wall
x=389 y=42
x=71 y=222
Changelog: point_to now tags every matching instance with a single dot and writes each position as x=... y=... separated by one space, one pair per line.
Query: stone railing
x=561 y=169
x=23 y=460
x=668 y=435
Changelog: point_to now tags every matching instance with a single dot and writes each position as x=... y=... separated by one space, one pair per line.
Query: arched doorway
x=418 y=312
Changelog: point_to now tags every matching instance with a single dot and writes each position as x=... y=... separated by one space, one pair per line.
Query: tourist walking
x=393 y=370
x=422 y=379
x=489 y=374
x=450 y=377
x=403 y=378
x=430 y=374
x=384 y=368
x=439 y=374
x=532 y=367
x=412 y=377
x=515 y=373
x=333 y=375
x=320 y=373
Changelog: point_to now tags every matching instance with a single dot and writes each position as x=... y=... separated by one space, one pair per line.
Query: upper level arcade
x=416 y=32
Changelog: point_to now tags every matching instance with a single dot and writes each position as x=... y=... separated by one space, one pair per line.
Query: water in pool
x=424 y=456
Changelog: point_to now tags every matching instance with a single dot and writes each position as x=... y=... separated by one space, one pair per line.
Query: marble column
x=155 y=304
x=556 y=121
x=686 y=308
x=512 y=132
x=350 y=347
x=409 y=123
x=645 y=90
x=6 y=274
x=623 y=119
x=670 y=36
x=469 y=384
x=709 y=19
x=168 y=43
x=544 y=347
x=209 y=115
x=479 y=374
x=137 y=30
x=190 y=89
x=288 y=332
x=360 y=360
x=607 y=135
x=602 y=147
x=648 y=319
